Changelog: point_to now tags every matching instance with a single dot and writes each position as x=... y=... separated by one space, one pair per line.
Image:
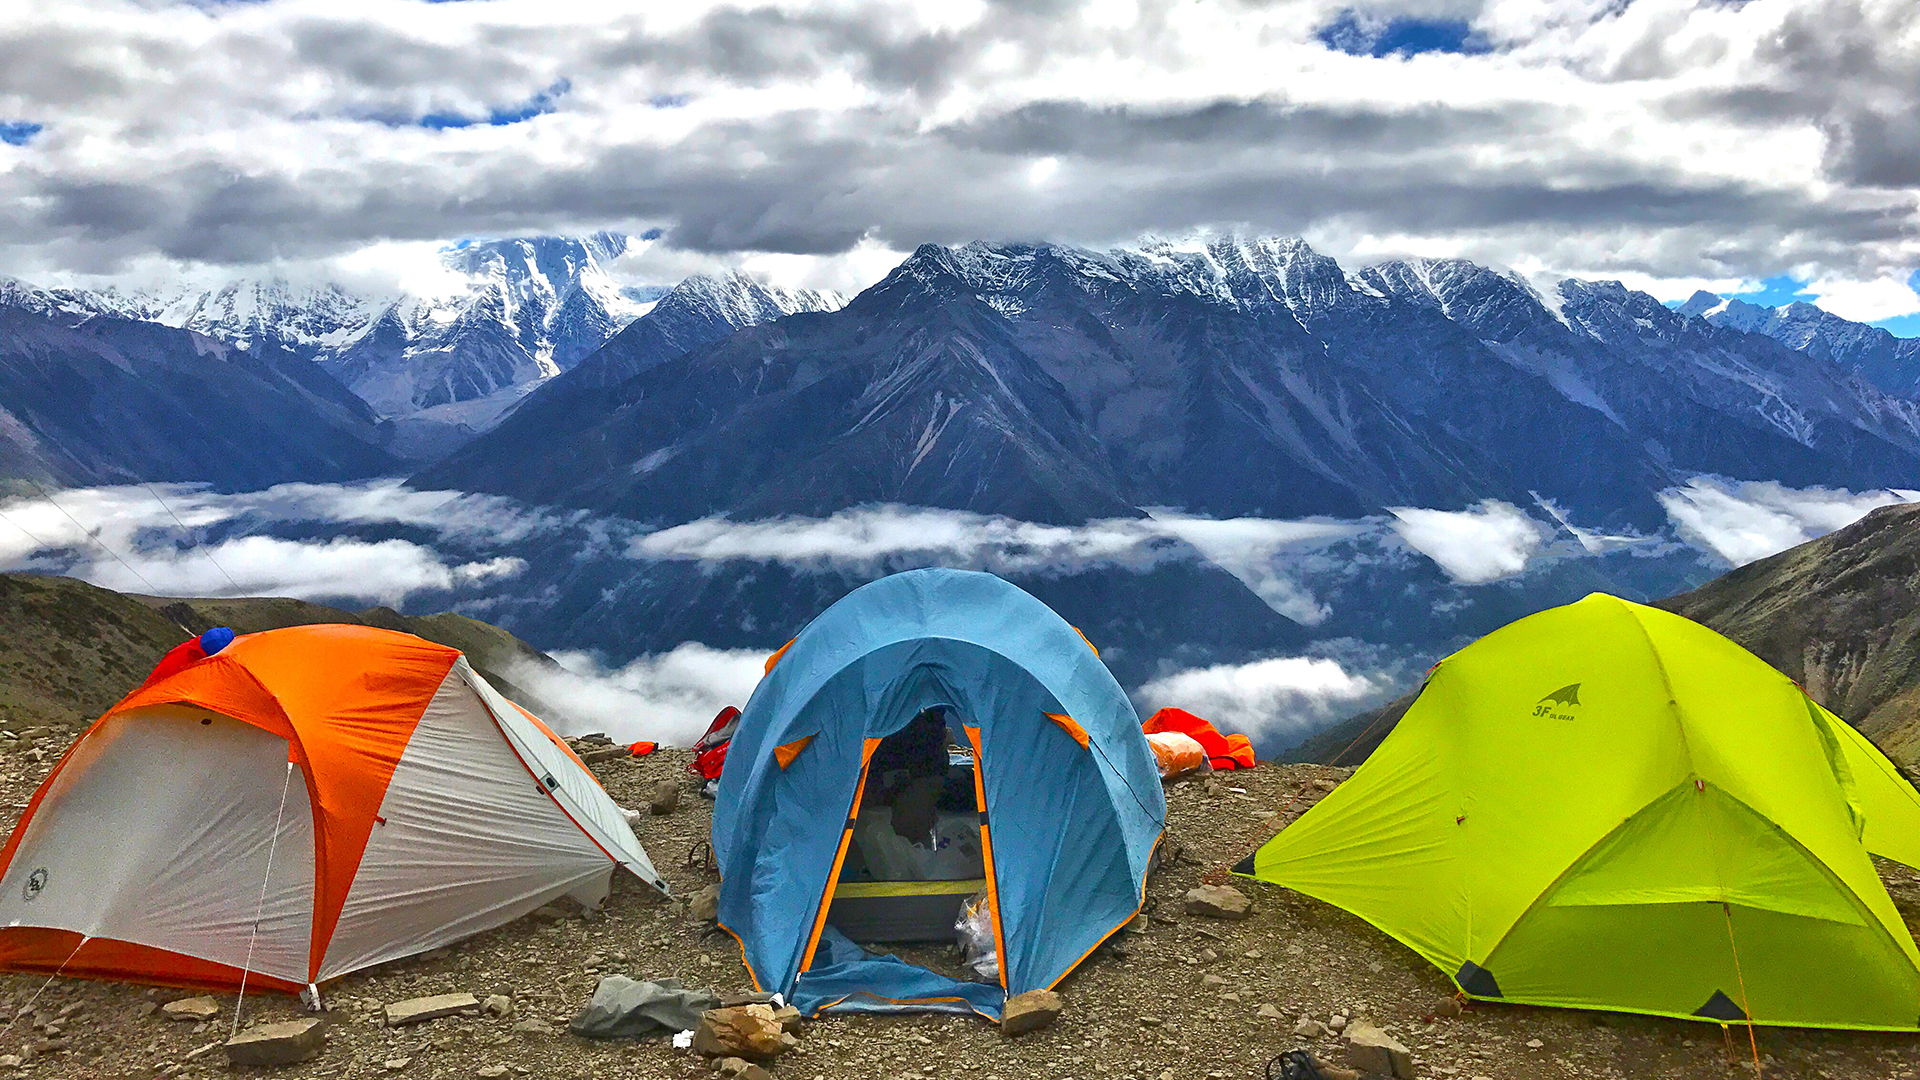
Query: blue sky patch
x=669 y=101
x=19 y=132
x=538 y=105
x=1359 y=35
x=1781 y=290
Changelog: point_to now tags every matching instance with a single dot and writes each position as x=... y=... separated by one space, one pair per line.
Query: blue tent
x=1068 y=795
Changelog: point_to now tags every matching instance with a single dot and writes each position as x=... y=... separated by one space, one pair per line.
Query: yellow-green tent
x=1608 y=806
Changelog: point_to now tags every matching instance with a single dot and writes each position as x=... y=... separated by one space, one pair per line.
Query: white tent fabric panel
x=571 y=786
x=158 y=831
x=470 y=841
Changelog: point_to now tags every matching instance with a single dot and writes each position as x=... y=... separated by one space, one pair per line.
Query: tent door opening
x=916 y=854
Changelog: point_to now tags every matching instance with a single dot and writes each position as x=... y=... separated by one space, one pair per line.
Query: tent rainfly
x=958 y=701
x=1608 y=806
x=300 y=804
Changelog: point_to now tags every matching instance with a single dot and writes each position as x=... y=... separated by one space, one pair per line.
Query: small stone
x=790 y=1019
x=1329 y=1071
x=490 y=1072
x=1211 y=979
x=704 y=906
x=191 y=1010
x=1269 y=1012
x=10 y=1061
x=1030 y=1011
x=283 y=1043
x=395 y=1064
x=1337 y=1023
x=499 y=1006
x=1218 y=902
x=1151 y=1021
x=594 y=960
x=741 y=1069
x=1535 y=1044
x=1371 y=1050
x=1309 y=1029
x=537 y=1028
x=664 y=799
x=1447 y=1008
x=550 y=913
x=145 y=1009
x=415 y=1010
x=745 y=1031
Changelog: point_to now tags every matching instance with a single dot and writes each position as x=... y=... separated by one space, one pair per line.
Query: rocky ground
x=1189 y=997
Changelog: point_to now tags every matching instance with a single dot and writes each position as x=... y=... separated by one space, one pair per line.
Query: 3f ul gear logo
x=1560 y=704
x=36 y=881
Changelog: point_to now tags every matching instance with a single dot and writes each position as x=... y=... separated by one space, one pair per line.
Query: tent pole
x=260 y=906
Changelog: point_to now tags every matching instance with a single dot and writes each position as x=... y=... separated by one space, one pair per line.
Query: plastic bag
x=973 y=931
x=1177 y=753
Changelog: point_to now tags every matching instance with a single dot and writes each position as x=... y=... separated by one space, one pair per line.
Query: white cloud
x=668 y=698
x=1867 y=301
x=1663 y=140
x=1491 y=541
x=1745 y=521
x=161 y=538
x=1277 y=697
x=383 y=572
x=876 y=538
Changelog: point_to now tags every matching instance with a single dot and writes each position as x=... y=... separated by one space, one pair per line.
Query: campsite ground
x=1180 y=1000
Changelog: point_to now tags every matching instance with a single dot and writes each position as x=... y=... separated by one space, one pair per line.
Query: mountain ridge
x=1231 y=378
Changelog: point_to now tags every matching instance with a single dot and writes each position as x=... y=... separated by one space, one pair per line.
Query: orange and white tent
x=303 y=803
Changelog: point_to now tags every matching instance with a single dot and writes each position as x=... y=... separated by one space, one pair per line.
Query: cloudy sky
x=1767 y=146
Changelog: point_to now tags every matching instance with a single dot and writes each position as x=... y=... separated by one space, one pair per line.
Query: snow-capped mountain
x=1235 y=376
x=1888 y=362
x=525 y=310
x=699 y=311
x=93 y=398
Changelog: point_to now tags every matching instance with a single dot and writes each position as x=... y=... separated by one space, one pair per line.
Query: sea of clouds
x=381 y=542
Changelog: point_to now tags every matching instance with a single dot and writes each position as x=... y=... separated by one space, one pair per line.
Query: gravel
x=1141 y=1007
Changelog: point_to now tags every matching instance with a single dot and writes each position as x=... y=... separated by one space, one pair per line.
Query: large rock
x=1218 y=902
x=664 y=799
x=191 y=1010
x=1030 y=1011
x=1371 y=1050
x=752 y=1032
x=283 y=1043
x=415 y=1010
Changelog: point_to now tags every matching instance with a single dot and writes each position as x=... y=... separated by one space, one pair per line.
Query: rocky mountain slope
x=698 y=312
x=1891 y=363
x=68 y=650
x=100 y=399
x=1839 y=615
x=1238 y=377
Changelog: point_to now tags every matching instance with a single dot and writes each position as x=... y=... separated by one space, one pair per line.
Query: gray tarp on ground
x=624 y=1008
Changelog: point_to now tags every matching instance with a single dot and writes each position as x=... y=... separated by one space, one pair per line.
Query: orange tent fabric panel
x=777 y=654
x=786 y=752
x=1072 y=727
x=1223 y=751
x=43 y=951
